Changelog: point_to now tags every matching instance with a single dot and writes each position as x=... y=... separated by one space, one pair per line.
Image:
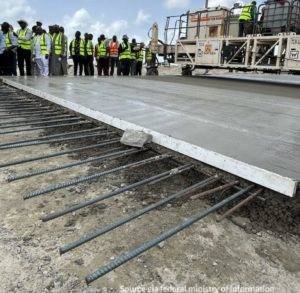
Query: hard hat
x=23 y=21
x=125 y=37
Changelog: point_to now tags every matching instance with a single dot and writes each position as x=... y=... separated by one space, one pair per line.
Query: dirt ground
x=235 y=255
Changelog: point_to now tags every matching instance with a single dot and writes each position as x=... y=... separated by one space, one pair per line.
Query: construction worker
x=133 y=57
x=41 y=46
x=102 y=56
x=57 y=52
x=64 y=57
x=140 y=59
x=125 y=55
x=8 y=50
x=24 y=47
x=114 y=56
x=88 y=57
x=247 y=19
x=76 y=49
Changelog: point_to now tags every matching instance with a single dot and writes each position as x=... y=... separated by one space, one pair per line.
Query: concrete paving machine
x=209 y=38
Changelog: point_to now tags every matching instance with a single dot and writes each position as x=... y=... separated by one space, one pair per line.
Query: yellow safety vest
x=57 y=44
x=102 y=50
x=81 y=48
x=89 y=48
x=127 y=53
x=140 y=56
x=246 y=12
x=148 y=55
x=43 y=44
x=8 y=42
x=26 y=45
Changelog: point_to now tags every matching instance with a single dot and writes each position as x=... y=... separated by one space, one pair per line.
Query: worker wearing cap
x=140 y=59
x=102 y=56
x=125 y=55
x=24 y=47
x=58 y=52
x=8 y=50
x=41 y=46
x=247 y=19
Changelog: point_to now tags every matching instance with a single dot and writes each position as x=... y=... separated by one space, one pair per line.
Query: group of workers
x=37 y=52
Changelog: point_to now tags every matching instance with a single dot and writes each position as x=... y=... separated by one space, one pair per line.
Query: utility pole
x=206 y=3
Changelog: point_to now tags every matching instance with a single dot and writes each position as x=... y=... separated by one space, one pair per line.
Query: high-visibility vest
x=8 y=41
x=126 y=54
x=140 y=55
x=26 y=45
x=133 y=54
x=113 y=49
x=246 y=12
x=148 y=55
x=57 y=44
x=43 y=44
x=89 y=48
x=102 y=51
x=81 y=47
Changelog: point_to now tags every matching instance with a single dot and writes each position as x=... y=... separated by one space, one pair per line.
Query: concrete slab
x=281 y=79
x=254 y=136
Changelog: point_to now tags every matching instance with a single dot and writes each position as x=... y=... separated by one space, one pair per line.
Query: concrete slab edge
x=273 y=181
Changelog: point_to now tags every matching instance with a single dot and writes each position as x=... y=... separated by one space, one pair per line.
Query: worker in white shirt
x=41 y=47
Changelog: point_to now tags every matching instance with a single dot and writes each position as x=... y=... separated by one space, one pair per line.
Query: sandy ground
x=210 y=256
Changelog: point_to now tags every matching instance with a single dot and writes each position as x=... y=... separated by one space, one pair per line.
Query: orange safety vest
x=114 y=49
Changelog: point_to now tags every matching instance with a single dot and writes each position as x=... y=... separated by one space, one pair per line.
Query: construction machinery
x=209 y=38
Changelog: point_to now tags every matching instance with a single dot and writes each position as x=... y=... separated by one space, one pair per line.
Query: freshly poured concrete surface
x=254 y=136
x=283 y=79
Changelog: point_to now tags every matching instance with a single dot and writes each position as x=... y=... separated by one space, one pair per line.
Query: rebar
x=41 y=113
x=34 y=120
x=75 y=207
x=127 y=256
x=42 y=123
x=27 y=110
x=46 y=127
x=98 y=232
x=217 y=189
x=63 y=134
x=115 y=155
x=240 y=204
x=21 y=145
x=81 y=179
x=57 y=154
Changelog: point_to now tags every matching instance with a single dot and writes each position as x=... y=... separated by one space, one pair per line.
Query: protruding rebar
x=27 y=121
x=115 y=155
x=46 y=127
x=26 y=110
x=98 y=232
x=81 y=179
x=40 y=113
x=58 y=154
x=42 y=122
x=125 y=257
x=63 y=134
x=55 y=140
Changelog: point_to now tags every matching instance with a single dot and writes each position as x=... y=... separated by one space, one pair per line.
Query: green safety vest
x=81 y=47
x=8 y=42
x=127 y=53
x=57 y=44
x=148 y=55
x=102 y=51
x=26 y=45
x=246 y=12
x=89 y=48
x=133 y=54
x=43 y=44
x=140 y=56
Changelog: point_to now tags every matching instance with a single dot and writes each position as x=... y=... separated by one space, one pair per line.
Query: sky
x=131 y=17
